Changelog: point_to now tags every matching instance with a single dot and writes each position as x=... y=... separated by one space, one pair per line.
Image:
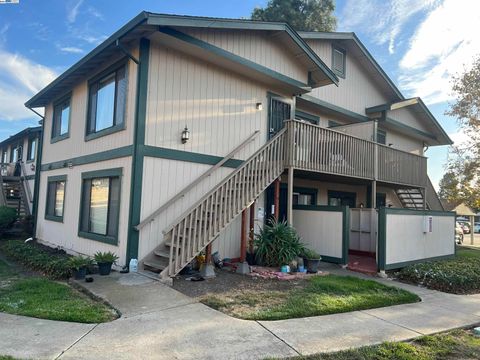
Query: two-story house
x=178 y=134
x=18 y=169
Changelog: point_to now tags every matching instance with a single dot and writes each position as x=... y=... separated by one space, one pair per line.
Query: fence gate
x=363 y=230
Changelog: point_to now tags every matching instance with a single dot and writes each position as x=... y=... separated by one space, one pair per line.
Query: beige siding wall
x=259 y=47
x=76 y=145
x=359 y=190
x=356 y=92
x=65 y=235
x=407 y=116
x=407 y=241
x=403 y=142
x=218 y=107
x=163 y=179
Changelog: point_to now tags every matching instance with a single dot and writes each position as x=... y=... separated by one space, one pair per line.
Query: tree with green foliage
x=449 y=187
x=302 y=15
x=465 y=160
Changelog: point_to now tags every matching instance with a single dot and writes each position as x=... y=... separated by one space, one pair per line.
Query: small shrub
x=310 y=254
x=56 y=266
x=458 y=276
x=7 y=217
x=277 y=244
x=78 y=262
x=105 y=257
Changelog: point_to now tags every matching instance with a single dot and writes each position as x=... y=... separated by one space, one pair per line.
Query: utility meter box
x=428 y=224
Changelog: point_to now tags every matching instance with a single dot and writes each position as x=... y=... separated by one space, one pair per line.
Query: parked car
x=458 y=233
x=465 y=226
x=476 y=227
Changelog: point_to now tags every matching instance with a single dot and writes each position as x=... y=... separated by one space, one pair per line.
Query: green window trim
x=108 y=238
x=59 y=137
x=338 y=72
x=31 y=141
x=302 y=115
x=381 y=136
x=48 y=214
x=91 y=134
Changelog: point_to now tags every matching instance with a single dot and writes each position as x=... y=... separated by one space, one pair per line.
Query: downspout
x=38 y=164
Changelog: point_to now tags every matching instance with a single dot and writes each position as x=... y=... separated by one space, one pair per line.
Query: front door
x=279 y=111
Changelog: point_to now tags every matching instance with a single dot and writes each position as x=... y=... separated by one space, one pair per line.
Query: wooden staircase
x=15 y=197
x=413 y=198
x=410 y=198
x=202 y=223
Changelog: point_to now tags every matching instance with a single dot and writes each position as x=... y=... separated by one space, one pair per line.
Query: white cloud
x=71 y=50
x=390 y=18
x=95 y=40
x=73 y=11
x=20 y=78
x=445 y=44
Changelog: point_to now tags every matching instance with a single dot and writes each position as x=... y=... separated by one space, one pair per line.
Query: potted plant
x=311 y=260
x=79 y=264
x=105 y=260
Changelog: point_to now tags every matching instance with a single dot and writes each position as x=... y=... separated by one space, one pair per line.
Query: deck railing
x=401 y=167
x=333 y=152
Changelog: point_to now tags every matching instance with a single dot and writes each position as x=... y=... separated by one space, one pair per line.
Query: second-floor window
x=32 y=148
x=107 y=97
x=381 y=137
x=339 y=61
x=61 y=120
x=4 y=157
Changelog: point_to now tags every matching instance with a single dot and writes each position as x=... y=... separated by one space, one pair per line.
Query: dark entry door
x=279 y=111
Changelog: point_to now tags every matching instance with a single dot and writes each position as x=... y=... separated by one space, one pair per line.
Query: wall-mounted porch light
x=185 y=135
x=259 y=106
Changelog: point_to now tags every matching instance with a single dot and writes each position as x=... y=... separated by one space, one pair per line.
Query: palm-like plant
x=277 y=244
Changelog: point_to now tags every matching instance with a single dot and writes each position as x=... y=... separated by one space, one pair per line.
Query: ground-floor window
x=100 y=205
x=55 y=197
x=342 y=198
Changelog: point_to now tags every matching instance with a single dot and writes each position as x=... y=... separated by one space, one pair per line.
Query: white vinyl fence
x=407 y=236
x=324 y=229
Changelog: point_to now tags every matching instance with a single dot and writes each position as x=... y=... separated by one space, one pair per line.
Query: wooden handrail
x=197 y=227
x=195 y=182
x=25 y=182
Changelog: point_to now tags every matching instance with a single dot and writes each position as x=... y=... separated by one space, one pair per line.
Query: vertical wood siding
x=259 y=47
x=76 y=145
x=218 y=107
x=162 y=179
x=356 y=92
x=64 y=234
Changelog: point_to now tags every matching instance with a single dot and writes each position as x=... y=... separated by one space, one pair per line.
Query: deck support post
x=252 y=227
x=243 y=267
x=207 y=270
x=290 y=197
x=375 y=164
x=472 y=228
x=276 y=199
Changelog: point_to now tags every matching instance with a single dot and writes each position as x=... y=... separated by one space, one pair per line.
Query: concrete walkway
x=160 y=323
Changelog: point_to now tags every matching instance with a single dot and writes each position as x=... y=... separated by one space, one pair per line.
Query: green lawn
x=457 y=344
x=460 y=275
x=320 y=295
x=46 y=299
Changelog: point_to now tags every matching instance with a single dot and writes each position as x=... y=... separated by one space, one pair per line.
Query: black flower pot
x=311 y=265
x=104 y=268
x=80 y=273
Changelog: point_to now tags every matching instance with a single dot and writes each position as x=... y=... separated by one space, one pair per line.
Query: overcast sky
x=419 y=43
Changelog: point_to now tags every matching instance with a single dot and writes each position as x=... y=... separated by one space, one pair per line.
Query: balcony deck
x=318 y=149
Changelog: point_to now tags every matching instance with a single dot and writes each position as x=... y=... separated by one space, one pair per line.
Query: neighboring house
x=157 y=141
x=17 y=169
x=462 y=210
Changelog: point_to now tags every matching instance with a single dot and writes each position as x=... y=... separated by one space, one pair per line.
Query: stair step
x=162 y=253
x=156 y=265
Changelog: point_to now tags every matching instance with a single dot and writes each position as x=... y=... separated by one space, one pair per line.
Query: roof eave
x=132 y=24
